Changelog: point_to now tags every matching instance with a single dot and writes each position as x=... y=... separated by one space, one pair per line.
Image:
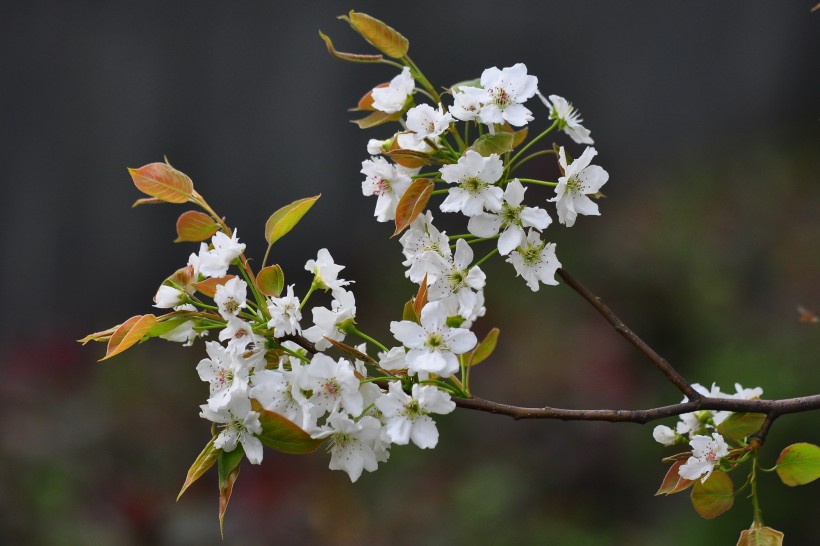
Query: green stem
x=758 y=516
x=539 y=182
x=440 y=192
x=309 y=292
x=487 y=257
x=547 y=131
x=422 y=79
x=461 y=236
x=356 y=331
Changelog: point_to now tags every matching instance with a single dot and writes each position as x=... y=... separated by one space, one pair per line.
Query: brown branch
x=670 y=372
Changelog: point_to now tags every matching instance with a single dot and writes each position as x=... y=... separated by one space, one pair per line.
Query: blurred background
x=704 y=114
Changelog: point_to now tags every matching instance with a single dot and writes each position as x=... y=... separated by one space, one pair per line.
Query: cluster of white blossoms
x=328 y=398
x=698 y=429
x=479 y=186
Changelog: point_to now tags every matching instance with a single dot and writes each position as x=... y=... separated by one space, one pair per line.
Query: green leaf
x=739 y=425
x=409 y=158
x=799 y=464
x=412 y=203
x=382 y=37
x=194 y=226
x=282 y=434
x=352 y=57
x=163 y=182
x=485 y=348
x=714 y=496
x=760 y=536
x=284 y=219
x=673 y=482
x=498 y=143
x=161 y=328
x=129 y=333
x=228 y=466
x=376 y=118
x=408 y=313
x=201 y=465
x=271 y=281
x=519 y=137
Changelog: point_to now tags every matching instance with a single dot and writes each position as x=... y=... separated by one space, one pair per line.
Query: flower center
x=473 y=185
x=501 y=97
x=381 y=187
x=531 y=255
x=231 y=306
x=434 y=341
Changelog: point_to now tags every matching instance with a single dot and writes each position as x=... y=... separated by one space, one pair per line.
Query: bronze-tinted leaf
x=201 y=465
x=759 y=535
x=282 y=434
x=194 y=226
x=409 y=158
x=147 y=201
x=104 y=335
x=284 y=219
x=353 y=57
x=352 y=351
x=421 y=298
x=412 y=203
x=129 y=333
x=208 y=286
x=673 y=482
x=163 y=182
x=228 y=467
x=376 y=118
x=485 y=348
x=271 y=281
x=799 y=464
x=382 y=37
x=499 y=143
x=714 y=496
x=519 y=137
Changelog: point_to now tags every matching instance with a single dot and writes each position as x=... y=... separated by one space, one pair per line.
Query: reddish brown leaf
x=376 y=118
x=147 y=201
x=673 y=482
x=352 y=351
x=163 y=182
x=194 y=226
x=759 y=535
x=353 y=57
x=412 y=203
x=129 y=333
x=421 y=298
x=382 y=37
x=208 y=286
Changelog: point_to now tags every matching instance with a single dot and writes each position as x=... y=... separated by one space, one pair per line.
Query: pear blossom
x=427 y=122
x=394 y=359
x=535 y=261
x=706 y=454
x=580 y=179
x=433 y=345
x=426 y=249
x=285 y=314
x=664 y=435
x=391 y=99
x=241 y=425
x=279 y=391
x=503 y=93
x=185 y=333
x=215 y=262
x=239 y=335
x=329 y=322
x=385 y=181
x=407 y=417
x=231 y=297
x=467 y=304
x=226 y=373
x=352 y=443
x=325 y=272
x=466 y=105
x=512 y=218
x=475 y=176
x=569 y=119
x=457 y=277
x=168 y=296
x=376 y=147
x=333 y=384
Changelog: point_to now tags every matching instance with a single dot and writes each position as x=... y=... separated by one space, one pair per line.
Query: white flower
x=428 y=123
x=457 y=277
x=466 y=105
x=384 y=180
x=580 y=178
x=391 y=99
x=239 y=335
x=325 y=271
x=279 y=391
x=328 y=322
x=352 y=443
x=230 y=297
x=569 y=119
x=394 y=359
x=475 y=176
x=747 y=394
x=185 y=333
x=334 y=385
x=241 y=425
x=215 y=262
x=433 y=345
x=167 y=297
x=226 y=373
x=375 y=147
x=535 y=261
x=426 y=248
x=664 y=435
x=504 y=92
x=706 y=454
x=512 y=218
x=407 y=417
x=285 y=314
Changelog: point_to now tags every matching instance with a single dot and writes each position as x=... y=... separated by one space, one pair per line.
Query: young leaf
x=352 y=351
x=284 y=219
x=166 y=326
x=760 y=536
x=352 y=57
x=519 y=137
x=201 y=465
x=194 y=226
x=128 y=333
x=739 y=425
x=228 y=466
x=421 y=298
x=714 y=496
x=208 y=286
x=147 y=201
x=271 y=281
x=412 y=203
x=376 y=118
x=485 y=348
x=365 y=103
x=283 y=435
x=380 y=36
x=105 y=335
x=799 y=464
x=673 y=482
x=488 y=144
x=408 y=313
x=163 y=182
